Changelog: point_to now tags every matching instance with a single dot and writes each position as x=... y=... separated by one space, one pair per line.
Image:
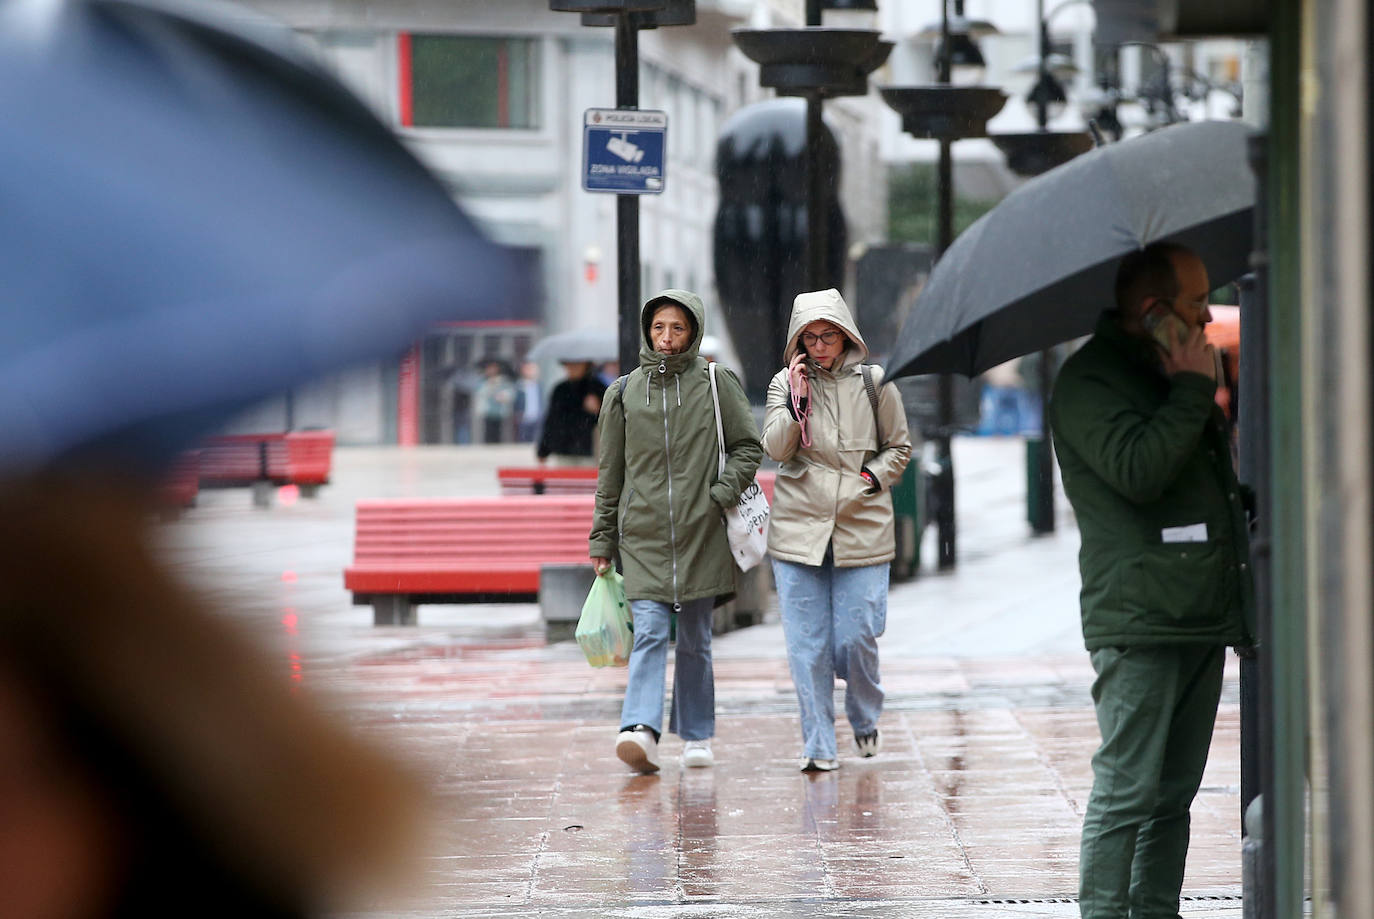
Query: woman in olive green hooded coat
x=659 y=502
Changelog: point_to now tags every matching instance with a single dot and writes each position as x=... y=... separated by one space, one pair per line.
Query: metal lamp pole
x=627 y=206
x=815 y=182
x=1042 y=519
x=944 y=184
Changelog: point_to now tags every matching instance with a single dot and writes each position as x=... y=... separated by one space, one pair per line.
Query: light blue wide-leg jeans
x=831 y=619
x=694 y=686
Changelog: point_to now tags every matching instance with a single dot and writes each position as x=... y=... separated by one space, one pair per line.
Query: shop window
x=463 y=81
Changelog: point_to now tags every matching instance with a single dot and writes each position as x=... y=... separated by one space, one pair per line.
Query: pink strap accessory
x=803 y=417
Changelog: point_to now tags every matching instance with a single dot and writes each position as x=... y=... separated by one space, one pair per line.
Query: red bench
x=265 y=461
x=460 y=550
x=574 y=480
x=547 y=480
x=181 y=484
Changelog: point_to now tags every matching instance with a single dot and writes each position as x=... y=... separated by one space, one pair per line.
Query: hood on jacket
x=825 y=305
x=696 y=315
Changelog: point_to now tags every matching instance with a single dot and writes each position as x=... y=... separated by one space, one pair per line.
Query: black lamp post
x=946 y=113
x=817 y=63
x=627 y=17
x=1030 y=154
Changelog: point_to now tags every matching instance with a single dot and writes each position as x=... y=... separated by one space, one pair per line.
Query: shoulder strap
x=720 y=432
x=867 y=372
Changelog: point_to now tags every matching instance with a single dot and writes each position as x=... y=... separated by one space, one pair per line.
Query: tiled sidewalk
x=972 y=811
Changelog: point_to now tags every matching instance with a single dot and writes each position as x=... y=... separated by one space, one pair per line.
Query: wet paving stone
x=972 y=810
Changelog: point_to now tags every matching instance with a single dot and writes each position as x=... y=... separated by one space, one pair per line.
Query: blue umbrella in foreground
x=195 y=217
x=1039 y=267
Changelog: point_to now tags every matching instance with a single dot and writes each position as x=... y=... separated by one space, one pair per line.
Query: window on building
x=465 y=81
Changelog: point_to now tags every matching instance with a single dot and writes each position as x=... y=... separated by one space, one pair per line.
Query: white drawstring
x=677 y=378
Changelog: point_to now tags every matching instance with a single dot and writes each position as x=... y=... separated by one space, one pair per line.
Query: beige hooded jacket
x=820 y=497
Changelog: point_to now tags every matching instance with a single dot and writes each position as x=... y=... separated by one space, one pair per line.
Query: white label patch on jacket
x=1197 y=532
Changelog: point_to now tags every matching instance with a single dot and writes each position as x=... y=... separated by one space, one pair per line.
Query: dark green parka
x=658 y=498
x=1146 y=463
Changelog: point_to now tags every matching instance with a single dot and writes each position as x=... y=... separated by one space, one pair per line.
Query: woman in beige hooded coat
x=840 y=436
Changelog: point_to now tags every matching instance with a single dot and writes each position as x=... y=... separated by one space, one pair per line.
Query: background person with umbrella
x=569 y=434
x=1145 y=455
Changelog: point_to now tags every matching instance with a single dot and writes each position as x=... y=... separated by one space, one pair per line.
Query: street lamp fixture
x=966 y=63
x=827 y=62
x=944 y=112
x=816 y=63
x=947 y=112
x=667 y=13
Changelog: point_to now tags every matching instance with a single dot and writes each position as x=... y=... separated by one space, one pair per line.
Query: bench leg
x=310 y=491
x=393 y=609
x=262 y=494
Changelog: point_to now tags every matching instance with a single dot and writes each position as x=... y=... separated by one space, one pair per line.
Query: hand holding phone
x=1168 y=329
x=797 y=378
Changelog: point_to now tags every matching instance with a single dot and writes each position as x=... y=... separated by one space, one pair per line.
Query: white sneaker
x=868 y=744
x=812 y=764
x=638 y=749
x=697 y=753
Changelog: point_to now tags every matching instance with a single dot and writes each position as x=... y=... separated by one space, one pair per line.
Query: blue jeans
x=831 y=619
x=694 y=684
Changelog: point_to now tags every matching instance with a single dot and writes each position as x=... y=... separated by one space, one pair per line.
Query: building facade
x=490 y=95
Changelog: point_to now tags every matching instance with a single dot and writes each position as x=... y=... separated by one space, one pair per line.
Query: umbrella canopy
x=196 y=217
x=594 y=344
x=1039 y=267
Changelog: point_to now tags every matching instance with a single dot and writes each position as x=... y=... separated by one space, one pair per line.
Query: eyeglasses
x=829 y=338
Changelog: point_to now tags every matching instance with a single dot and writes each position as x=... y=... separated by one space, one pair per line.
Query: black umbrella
x=1039 y=267
x=195 y=216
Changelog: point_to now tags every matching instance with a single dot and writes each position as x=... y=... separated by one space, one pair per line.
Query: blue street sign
x=623 y=150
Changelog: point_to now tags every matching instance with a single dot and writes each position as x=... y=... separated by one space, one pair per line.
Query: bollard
x=562 y=591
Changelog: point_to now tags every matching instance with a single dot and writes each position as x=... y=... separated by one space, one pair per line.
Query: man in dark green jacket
x=1146 y=464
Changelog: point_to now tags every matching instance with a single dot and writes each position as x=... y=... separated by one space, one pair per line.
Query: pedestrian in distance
x=840 y=436
x=659 y=502
x=495 y=400
x=529 y=403
x=1146 y=465
x=570 y=423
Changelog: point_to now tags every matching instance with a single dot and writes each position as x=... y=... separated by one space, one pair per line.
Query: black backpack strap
x=867 y=372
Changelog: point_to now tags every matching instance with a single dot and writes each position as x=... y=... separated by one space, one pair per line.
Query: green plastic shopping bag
x=603 y=631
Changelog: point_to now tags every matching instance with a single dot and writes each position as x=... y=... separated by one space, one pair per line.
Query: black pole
x=1042 y=519
x=944 y=479
x=627 y=206
x=1256 y=449
x=815 y=182
x=816 y=274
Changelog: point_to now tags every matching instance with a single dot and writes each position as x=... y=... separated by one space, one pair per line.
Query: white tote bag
x=746 y=524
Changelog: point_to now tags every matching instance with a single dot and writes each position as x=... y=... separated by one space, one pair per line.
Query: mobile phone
x=1166 y=326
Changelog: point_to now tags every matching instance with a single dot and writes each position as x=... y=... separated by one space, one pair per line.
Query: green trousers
x=1155 y=707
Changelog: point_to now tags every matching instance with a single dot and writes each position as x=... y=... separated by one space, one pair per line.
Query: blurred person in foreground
x=152 y=763
x=570 y=422
x=659 y=502
x=841 y=438
x=1145 y=457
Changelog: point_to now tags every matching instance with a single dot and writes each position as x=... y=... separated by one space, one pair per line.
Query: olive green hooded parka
x=658 y=498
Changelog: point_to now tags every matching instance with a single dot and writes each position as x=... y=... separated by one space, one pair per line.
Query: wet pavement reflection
x=973 y=808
